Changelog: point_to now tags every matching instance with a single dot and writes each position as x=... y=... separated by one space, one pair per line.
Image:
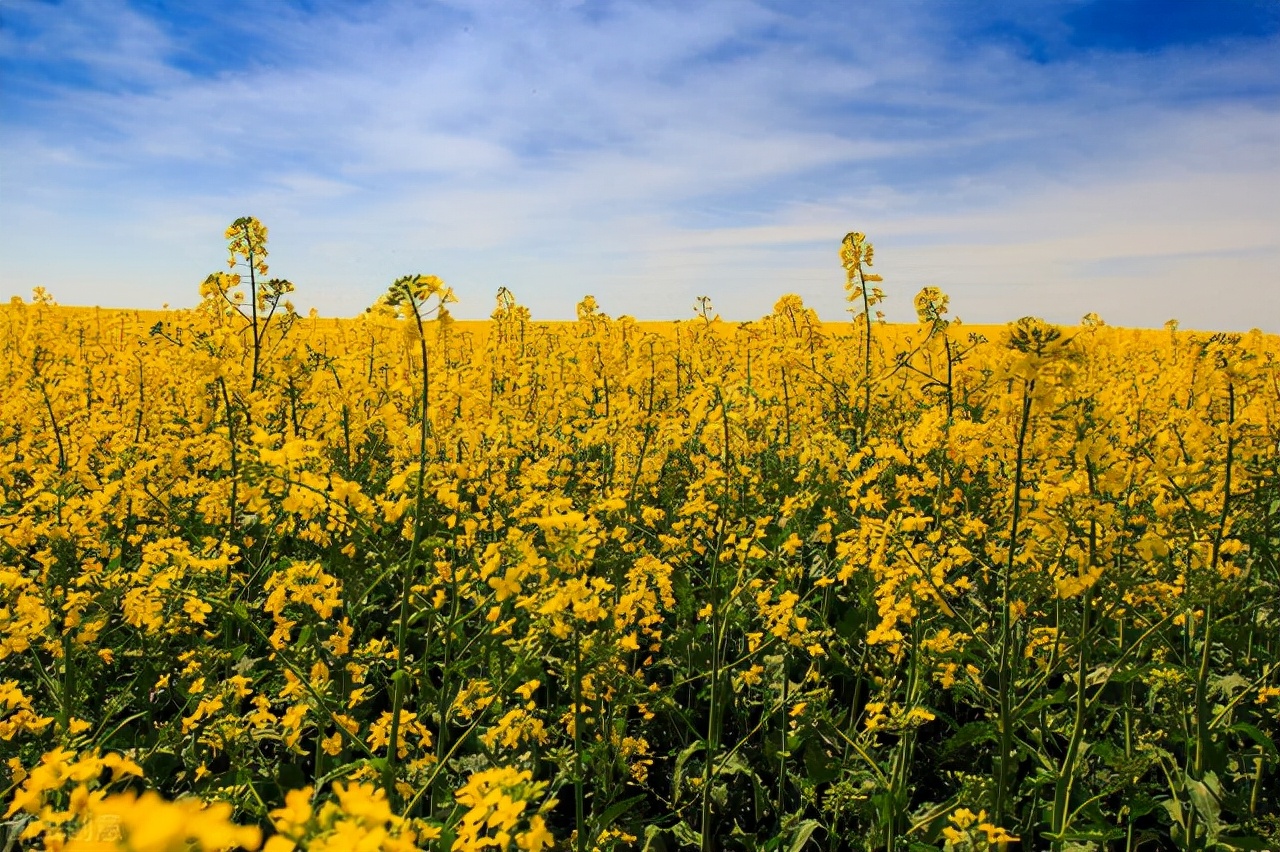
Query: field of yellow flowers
x=279 y=582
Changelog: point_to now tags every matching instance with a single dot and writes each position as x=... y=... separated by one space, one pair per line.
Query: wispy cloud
x=1046 y=159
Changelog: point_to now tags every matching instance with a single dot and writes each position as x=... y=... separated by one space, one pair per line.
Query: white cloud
x=646 y=153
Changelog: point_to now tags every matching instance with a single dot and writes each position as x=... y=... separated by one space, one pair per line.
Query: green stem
x=68 y=676
x=579 y=796
x=1006 y=623
x=782 y=745
x=399 y=679
x=1066 y=774
x=253 y=306
x=713 y=716
x=235 y=468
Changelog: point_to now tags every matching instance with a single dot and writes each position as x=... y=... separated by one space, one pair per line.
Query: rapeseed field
x=271 y=581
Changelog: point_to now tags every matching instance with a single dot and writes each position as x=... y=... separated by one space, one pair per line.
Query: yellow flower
x=537 y=837
x=148 y=823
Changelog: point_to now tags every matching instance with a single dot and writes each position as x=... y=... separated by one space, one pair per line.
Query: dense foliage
x=402 y=582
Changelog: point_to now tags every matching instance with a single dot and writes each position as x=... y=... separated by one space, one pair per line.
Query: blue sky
x=1048 y=158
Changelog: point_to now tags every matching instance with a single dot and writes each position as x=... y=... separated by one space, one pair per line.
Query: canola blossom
x=278 y=582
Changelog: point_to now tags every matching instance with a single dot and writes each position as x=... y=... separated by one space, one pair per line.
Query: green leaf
x=1205 y=802
x=686 y=835
x=974 y=732
x=1129 y=674
x=1056 y=698
x=244 y=664
x=819 y=766
x=1141 y=804
x=1097 y=834
x=617 y=809
x=720 y=794
x=1228 y=685
x=1246 y=843
x=652 y=839
x=1256 y=735
x=803 y=832
x=291 y=777
x=734 y=765
x=678 y=772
